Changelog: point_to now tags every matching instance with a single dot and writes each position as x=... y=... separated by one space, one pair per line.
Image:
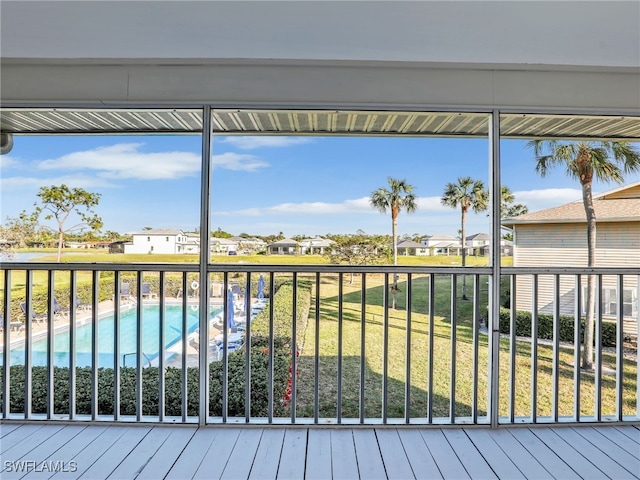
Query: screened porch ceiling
x=314 y=122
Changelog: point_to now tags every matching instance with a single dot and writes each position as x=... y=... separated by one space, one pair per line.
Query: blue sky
x=266 y=185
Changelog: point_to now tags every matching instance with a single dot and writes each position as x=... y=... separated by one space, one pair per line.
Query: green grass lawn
x=397 y=381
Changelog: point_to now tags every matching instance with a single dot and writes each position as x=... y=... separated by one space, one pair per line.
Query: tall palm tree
x=466 y=194
x=606 y=161
x=398 y=197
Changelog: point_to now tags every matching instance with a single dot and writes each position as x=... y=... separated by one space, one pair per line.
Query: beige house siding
x=559 y=245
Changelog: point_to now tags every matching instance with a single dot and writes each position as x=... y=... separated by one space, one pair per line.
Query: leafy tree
x=508 y=208
x=466 y=194
x=61 y=201
x=357 y=249
x=606 y=161
x=398 y=197
x=20 y=231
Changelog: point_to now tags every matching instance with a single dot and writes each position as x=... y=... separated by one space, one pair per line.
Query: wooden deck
x=33 y=450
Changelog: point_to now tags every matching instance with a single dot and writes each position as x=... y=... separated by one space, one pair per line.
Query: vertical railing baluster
x=512 y=350
x=385 y=348
x=50 y=356
x=184 y=340
x=363 y=357
x=534 y=349
x=116 y=345
x=247 y=342
x=432 y=315
x=476 y=340
x=139 y=351
x=6 y=353
x=407 y=374
x=162 y=319
x=271 y=346
x=555 y=368
x=619 y=348
x=576 y=347
x=340 y=332
x=598 y=341
x=294 y=347
x=95 y=300
x=316 y=357
x=27 y=344
x=73 y=286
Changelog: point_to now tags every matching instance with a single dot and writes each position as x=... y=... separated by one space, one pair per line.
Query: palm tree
x=606 y=161
x=466 y=194
x=398 y=197
x=509 y=209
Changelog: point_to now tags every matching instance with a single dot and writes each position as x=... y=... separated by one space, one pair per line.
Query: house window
x=148 y=239
x=609 y=304
x=167 y=238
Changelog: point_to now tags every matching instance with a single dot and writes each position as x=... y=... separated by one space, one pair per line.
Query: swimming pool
x=128 y=338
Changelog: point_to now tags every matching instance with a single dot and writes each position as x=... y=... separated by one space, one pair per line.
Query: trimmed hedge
x=545 y=327
x=173 y=386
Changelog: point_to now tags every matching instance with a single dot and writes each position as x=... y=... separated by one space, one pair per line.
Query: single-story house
x=409 y=247
x=442 y=245
x=558 y=237
x=316 y=245
x=286 y=246
x=223 y=245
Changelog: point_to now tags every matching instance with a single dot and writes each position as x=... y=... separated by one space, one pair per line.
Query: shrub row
x=283 y=312
x=545 y=327
x=173 y=386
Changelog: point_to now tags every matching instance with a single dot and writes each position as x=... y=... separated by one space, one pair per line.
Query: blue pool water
x=128 y=338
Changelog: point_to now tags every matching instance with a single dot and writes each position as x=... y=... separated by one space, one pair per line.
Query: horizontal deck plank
x=187 y=452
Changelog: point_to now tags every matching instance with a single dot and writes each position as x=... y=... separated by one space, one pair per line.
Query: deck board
x=581 y=465
x=343 y=453
x=543 y=454
x=242 y=456
x=419 y=456
x=318 y=464
x=115 y=454
x=370 y=464
x=265 y=463
x=607 y=454
x=187 y=452
x=167 y=454
x=6 y=429
x=620 y=439
x=187 y=465
x=16 y=437
x=70 y=449
x=499 y=462
x=93 y=451
x=445 y=457
x=292 y=459
x=520 y=455
x=396 y=463
x=473 y=462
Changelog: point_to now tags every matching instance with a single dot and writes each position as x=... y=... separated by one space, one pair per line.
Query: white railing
x=128 y=342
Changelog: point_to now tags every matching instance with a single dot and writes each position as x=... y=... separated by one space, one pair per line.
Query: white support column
x=494 y=261
x=205 y=177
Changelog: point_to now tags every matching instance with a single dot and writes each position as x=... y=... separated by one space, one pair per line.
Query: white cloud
x=7 y=162
x=238 y=161
x=250 y=143
x=73 y=181
x=347 y=207
x=124 y=160
x=546 y=198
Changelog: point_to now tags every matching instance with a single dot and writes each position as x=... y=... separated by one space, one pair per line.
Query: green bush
x=173 y=386
x=545 y=327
